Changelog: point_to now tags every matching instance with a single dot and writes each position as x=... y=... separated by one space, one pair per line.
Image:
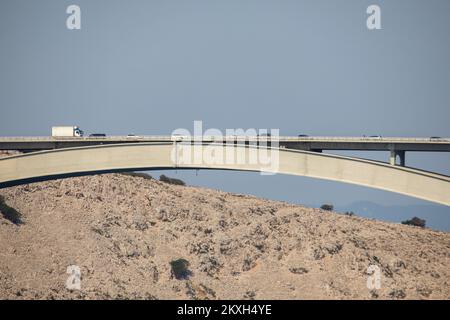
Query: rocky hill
x=125 y=232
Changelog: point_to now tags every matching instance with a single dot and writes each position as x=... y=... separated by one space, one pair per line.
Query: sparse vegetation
x=327 y=207
x=397 y=294
x=415 y=222
x=298 y=270
x=166 y=179
x=10 y=213
x=250 y=295
x=138 y=174
x=349 y=213
x=180 y=269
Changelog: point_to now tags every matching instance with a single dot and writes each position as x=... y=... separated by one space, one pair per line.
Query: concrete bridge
x=67 y=162
x=395 y=146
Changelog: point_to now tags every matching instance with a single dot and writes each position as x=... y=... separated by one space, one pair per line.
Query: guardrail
x=221 y=138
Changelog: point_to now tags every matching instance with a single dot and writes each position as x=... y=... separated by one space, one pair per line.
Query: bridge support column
x=393 y=157
x=401 y=155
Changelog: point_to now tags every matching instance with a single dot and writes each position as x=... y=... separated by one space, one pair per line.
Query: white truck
x=67 y=131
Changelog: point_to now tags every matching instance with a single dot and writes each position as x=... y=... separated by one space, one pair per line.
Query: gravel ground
x=123 y=232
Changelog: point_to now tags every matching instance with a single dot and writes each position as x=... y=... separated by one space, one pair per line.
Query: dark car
x=97 y=135
x=302 y=135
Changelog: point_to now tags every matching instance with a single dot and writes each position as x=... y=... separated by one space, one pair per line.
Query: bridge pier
x=401 y=155
x=393 y=157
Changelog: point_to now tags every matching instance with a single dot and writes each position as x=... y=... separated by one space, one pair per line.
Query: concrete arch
x=46 y=165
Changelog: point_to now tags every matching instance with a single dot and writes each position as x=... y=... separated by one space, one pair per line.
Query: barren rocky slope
x=124 y=231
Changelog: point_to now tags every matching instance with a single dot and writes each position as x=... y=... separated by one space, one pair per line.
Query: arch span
x=52 y=164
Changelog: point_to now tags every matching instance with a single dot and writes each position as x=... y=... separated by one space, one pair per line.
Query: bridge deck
x=291 y=142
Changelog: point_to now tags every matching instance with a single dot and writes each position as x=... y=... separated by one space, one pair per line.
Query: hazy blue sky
x=149 y=67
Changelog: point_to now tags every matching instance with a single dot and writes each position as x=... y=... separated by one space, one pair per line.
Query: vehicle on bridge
x=179 y=137
x=97 y=135
x=67 y=131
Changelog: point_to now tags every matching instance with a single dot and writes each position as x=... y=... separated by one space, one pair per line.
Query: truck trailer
x=67 y=131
